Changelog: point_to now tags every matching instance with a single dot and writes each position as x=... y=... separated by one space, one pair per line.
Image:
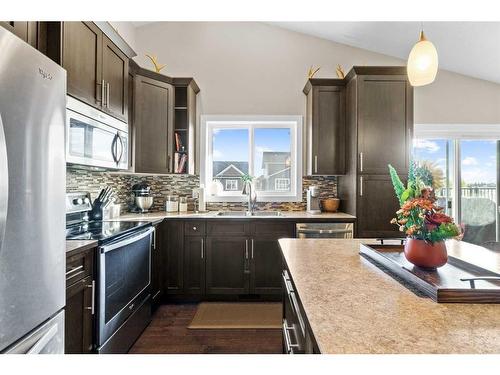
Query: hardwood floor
x=168 y=334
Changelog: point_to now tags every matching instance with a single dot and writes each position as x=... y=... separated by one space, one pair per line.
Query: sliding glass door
x=472 y=165
x=479 y=190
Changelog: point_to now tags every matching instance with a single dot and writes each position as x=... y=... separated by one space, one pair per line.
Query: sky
x=233 y=144
x=478 y=157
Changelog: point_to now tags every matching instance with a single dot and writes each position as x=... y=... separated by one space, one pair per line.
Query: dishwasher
x=325 y=230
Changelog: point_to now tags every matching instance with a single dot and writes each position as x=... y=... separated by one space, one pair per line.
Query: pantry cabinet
x=379 y=119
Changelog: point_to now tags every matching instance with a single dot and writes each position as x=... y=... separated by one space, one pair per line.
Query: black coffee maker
x=141 y=198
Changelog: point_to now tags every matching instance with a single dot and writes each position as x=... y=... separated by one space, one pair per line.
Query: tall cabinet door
x=377 y=205
x=227 y=265
x=328 y=130
x=82 y=59
x=152 y=121
x=385 y=123
x=194 y=265
x=115 y=77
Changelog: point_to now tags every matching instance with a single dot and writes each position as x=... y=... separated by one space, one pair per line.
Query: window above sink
x=268 y=148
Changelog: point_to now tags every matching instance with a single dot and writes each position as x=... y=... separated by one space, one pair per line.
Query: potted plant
x=422 y=220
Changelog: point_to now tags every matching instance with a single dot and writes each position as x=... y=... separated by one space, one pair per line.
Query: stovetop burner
x=102 y=230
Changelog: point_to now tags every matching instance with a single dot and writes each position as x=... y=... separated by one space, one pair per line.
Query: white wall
x=256 y=68
x=126 y=31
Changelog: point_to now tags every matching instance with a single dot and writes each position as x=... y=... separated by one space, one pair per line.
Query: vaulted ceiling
x=470 y=48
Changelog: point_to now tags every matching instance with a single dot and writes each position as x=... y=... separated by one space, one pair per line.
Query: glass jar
x=183 y=204
x=172 y=203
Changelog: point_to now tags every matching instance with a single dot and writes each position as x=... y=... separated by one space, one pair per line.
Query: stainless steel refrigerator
x=32 y=199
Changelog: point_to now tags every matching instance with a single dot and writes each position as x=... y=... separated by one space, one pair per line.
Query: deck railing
x=472 y=192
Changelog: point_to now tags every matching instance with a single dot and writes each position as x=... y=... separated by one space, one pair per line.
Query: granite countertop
x=292 y=215
x=72 y=245
x=353 y=307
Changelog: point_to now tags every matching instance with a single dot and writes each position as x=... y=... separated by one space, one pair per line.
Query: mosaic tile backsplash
x=181 y=185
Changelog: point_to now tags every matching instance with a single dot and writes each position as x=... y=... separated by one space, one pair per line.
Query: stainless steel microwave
x=94 y=138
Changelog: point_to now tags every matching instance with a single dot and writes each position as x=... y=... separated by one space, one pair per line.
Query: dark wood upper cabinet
x=115 y=75
x=26 y=30
x=384 y=123
x=97 y=69
x=325 y=127
x=82 y=59
x=227 y=267
x=152 y=125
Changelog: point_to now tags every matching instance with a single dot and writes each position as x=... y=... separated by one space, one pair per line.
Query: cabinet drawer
x=278 y=229
x=78 y=267
x=228 y=228
x=194 y=228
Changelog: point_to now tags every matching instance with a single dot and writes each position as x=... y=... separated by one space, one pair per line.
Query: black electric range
x=103 y=231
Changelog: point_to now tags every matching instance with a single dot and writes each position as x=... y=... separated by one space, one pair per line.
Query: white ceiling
x=470 y=48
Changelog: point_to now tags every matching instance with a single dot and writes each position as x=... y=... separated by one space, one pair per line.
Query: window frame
x=281 y=179
x=233 y=182
x=251 y=122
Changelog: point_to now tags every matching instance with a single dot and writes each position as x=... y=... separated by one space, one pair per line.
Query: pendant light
x=422 y=62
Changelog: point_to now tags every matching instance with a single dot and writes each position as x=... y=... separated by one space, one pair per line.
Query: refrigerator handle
x=4 y=183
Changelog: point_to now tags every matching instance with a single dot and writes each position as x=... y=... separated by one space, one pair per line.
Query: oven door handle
x=114 y=147
x=133 y=238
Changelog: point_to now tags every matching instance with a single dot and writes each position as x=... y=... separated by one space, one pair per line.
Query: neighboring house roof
x=275 y=157
x=275 y=174
x=230 y=168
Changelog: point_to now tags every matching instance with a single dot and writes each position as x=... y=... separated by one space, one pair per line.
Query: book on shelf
x=179 y=147
x=180 y=162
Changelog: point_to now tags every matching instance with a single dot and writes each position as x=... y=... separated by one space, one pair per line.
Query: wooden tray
x=449 y=284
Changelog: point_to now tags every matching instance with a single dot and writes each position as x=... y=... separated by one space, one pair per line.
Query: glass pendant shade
x=422 y=62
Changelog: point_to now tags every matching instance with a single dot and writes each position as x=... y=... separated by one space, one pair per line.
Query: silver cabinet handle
x=315 y=163
x=202 y=249
x=92 y=306
x=288 y=341
x=154 y=238
x=74 y=270
x=361 y=186
x=246 y=249
x=252 y=248
x=361 y=162
x=103 y=95
x=107 y=94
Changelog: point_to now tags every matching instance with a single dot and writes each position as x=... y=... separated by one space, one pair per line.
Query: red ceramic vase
x=426 y=254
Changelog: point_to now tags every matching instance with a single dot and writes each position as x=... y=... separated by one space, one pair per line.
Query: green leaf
x=396 y=182
x=406 y=194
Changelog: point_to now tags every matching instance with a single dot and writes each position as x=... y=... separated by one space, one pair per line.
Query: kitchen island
x=351 y=306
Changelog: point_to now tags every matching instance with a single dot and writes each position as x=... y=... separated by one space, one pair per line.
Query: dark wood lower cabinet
x=173 y=246
x=377 y=200
x=227 y=265
x=194 y=265
x=157 y=263
x=265 y=265
x=79 y=318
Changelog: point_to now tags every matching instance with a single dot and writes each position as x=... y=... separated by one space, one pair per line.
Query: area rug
x=237 y=315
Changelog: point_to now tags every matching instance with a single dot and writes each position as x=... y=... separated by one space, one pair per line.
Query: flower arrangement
x=419 y=216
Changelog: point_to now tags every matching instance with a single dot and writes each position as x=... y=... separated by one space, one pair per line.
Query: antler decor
x=311 y=72
x=340 y=71
x=154 y=60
